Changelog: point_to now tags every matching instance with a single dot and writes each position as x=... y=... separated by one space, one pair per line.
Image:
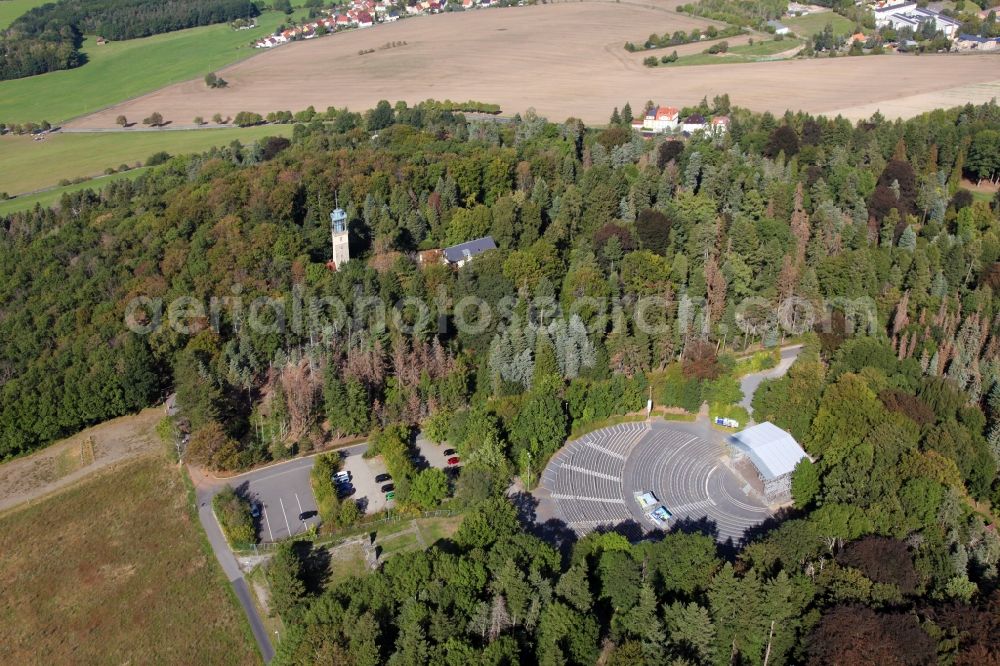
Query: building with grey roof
x=774 y=453
x=458 y=255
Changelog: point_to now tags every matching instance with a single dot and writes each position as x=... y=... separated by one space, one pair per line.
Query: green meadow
x=11 y=9
x=811 y=24
x=760 y=50
x=27 y=165
x=121 y=70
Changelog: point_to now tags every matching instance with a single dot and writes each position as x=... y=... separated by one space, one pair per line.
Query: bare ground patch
x=70 y=460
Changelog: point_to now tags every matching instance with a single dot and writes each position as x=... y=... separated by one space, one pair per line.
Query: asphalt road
x=749 y=383
x=231 y=569
x=282 y=488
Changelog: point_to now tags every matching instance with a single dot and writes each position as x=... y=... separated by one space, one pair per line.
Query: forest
x=890 y=551
x=48 y=38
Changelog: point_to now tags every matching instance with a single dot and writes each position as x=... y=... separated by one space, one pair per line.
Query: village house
x=779 y=28
x=977 y=43
x=693 y=123
x=719 y=125
x=660 y=119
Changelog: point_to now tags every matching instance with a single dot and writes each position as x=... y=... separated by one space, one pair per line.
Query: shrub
x=651 y=61
x=235 y=519
x=248 y=119
x=321 y=479
x=157 y=159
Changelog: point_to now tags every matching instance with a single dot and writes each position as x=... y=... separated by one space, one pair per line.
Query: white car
x=646 y=499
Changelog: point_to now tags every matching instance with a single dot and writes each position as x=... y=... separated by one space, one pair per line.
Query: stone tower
x=338 y=232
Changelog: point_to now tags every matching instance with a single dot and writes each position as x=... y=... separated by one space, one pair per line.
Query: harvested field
x=561 y=59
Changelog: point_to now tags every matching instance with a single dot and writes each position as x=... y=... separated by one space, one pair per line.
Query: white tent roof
x=773 y=451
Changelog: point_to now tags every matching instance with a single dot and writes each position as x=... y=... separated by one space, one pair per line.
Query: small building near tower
x=774 y=454
x=459 y=255
x=338 y=232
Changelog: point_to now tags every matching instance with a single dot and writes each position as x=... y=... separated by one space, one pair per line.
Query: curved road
x=749 y=383
x=206 y=488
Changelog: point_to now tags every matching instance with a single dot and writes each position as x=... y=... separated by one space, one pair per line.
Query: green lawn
x=27 y=165
x=11 y=9
x=760 y=50
x=811 y=24
x=122 y=70
x=52 y=196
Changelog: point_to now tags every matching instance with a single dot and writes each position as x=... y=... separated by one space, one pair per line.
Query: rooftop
x=773 y=451
x=469 y=249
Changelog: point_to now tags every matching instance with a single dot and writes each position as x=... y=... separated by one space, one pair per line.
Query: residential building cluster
x=908 y=15
x=667 y=119
x=360 y=14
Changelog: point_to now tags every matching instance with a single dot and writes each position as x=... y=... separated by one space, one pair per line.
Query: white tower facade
x=338 y=232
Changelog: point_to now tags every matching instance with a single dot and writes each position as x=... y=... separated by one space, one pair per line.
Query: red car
x=454 y=460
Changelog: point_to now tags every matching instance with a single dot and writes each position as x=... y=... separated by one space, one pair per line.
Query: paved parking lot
x=367 y=492
x=284 y=492
x=433 y=454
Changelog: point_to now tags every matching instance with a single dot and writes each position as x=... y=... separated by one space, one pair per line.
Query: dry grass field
x=113 y=571
x=64 y=463
x=562 y=59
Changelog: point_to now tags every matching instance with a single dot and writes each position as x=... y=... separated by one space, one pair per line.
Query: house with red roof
x=660 y=119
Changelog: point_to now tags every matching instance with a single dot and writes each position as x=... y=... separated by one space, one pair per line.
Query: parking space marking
x=268 y=523
x=285 y=514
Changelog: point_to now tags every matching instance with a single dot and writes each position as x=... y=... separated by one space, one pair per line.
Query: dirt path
x=66 y=462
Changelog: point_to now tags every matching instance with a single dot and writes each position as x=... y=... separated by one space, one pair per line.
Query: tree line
x=48 y=38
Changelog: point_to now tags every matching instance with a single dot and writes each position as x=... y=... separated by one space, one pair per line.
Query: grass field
x=811 y=24
x=11 y=9
x=740 y=54
x=51 y=197
x=114 y=570
x=27 y=165
x=122 y=70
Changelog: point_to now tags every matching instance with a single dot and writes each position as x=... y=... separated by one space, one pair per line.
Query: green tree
x=284 y=578
x=429 y=487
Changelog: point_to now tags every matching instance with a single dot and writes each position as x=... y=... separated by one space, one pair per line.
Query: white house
x=977 y=43
x=719 y=125
x=779 y=28
x=660 y=119
x=693 y=123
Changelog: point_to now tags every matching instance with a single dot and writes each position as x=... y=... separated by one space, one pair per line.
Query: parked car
x=255 y=509
x=345 y=490
x=449 y=452
x=390 y=496
x=388 y=488
x=306 y=515
x=381 y=478
x=660 y=516
x=342 y=476
x=454 y=460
